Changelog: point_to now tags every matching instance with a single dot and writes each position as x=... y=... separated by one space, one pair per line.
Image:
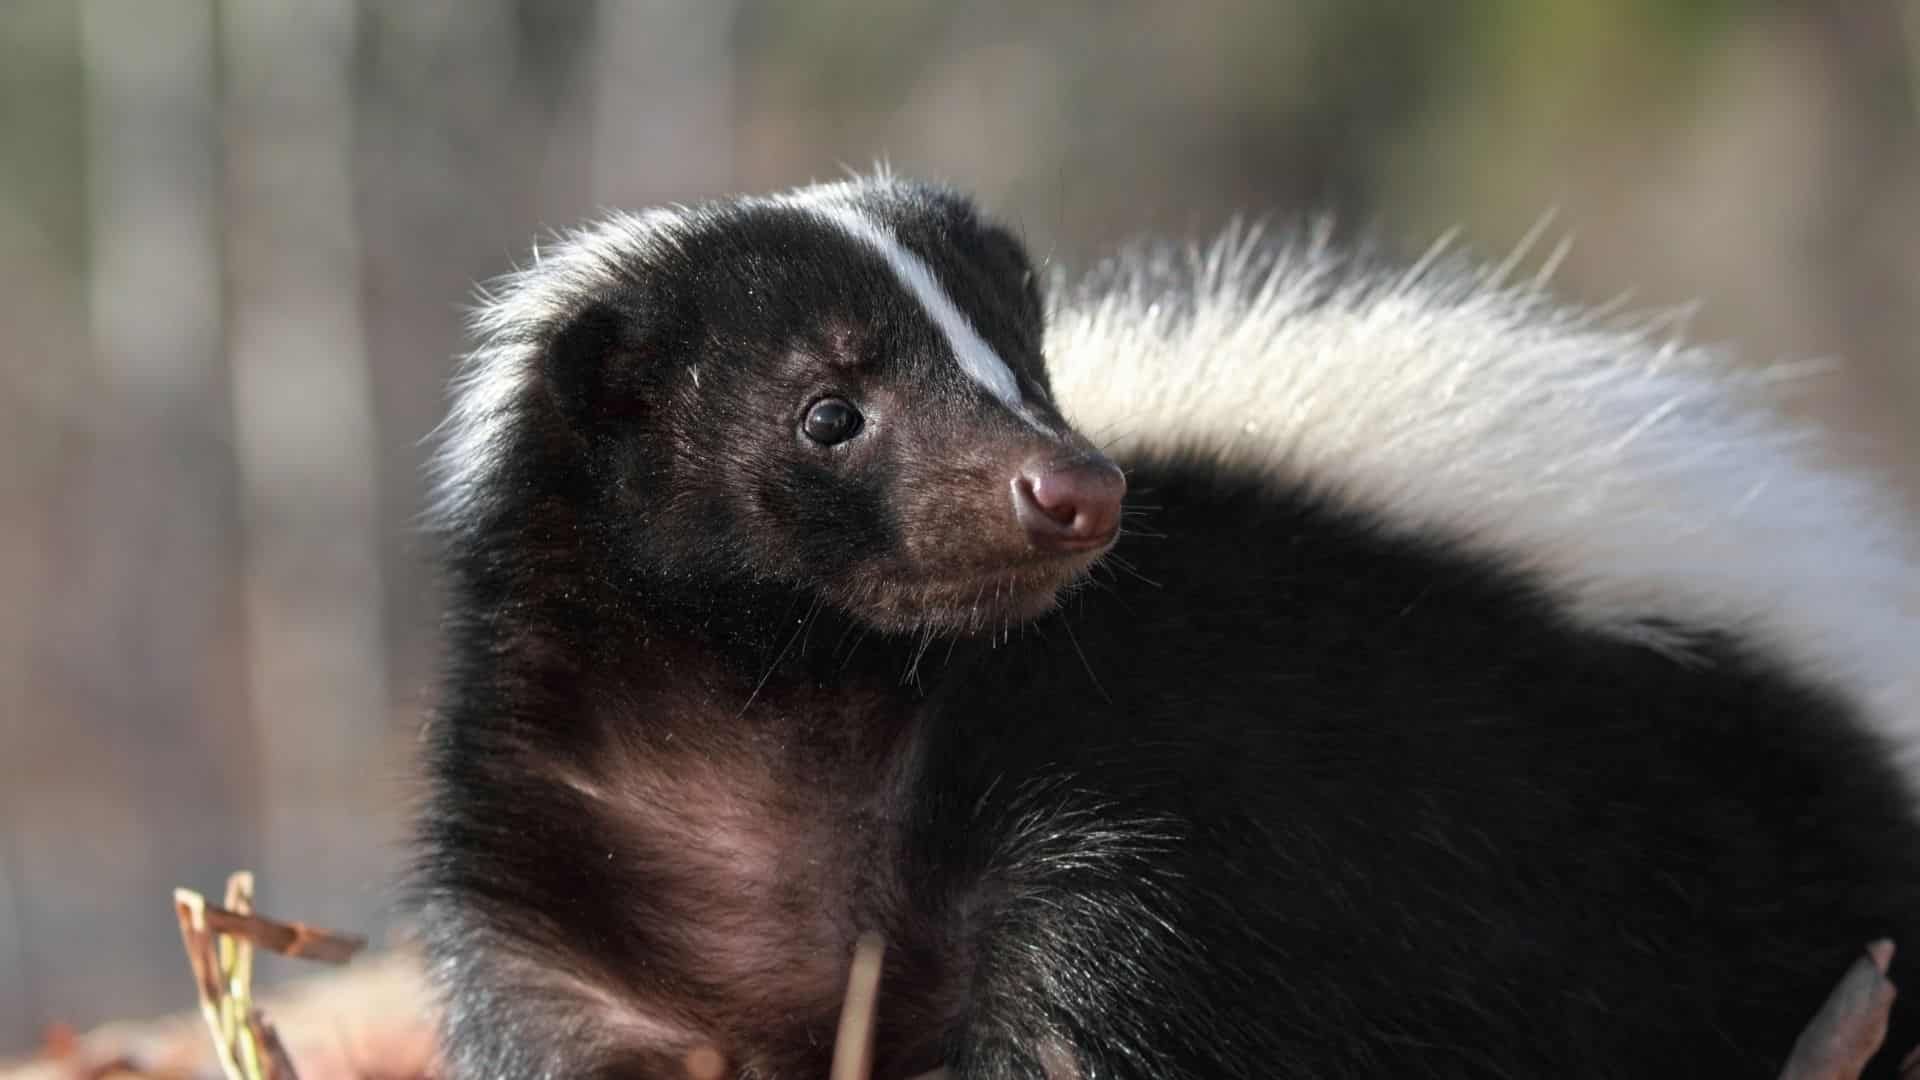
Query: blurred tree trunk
x=1867 y=212
x=304 y=438
x=128 y=669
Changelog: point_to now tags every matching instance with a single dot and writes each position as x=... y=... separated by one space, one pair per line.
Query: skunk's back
x=1652 y=488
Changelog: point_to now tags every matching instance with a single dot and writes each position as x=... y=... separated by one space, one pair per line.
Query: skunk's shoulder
x=1651 y=487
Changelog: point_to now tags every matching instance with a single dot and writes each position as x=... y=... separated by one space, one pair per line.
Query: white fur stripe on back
x=1651 y=488
x=975 y=356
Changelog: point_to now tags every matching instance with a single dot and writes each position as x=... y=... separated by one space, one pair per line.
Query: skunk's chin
x=986 y=601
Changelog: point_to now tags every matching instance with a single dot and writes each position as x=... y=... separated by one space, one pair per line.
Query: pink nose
x=1069 y=507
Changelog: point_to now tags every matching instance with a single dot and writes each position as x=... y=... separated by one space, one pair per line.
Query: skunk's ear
x=609 y=358
x=577 y=361
x=1005 y=259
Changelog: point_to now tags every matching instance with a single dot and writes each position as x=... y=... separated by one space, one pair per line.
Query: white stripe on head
x=975 y=356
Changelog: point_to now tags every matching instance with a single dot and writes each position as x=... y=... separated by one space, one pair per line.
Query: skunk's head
x=838 y=393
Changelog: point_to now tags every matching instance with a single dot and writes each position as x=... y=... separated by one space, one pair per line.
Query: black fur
x=1287 y=796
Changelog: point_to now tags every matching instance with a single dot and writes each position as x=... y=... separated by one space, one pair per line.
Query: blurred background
x=237 y=236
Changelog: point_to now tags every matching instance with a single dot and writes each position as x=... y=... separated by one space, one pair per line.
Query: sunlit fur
x=509 y=323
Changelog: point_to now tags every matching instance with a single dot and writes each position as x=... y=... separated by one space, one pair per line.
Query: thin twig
x=286 y=938
x=191 y=909
x=276 y=1064
x=853 y=1046
x=220 y=942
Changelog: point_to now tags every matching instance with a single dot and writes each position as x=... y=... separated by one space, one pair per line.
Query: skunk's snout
x=1069 y=507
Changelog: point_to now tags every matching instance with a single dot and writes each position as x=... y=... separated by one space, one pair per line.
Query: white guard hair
x=1635 y=478
x=510 y=322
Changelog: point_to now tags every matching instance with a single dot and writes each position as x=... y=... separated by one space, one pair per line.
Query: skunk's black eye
x=831 y=421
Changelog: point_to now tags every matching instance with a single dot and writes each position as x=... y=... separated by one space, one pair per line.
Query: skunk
x=1239 y=663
